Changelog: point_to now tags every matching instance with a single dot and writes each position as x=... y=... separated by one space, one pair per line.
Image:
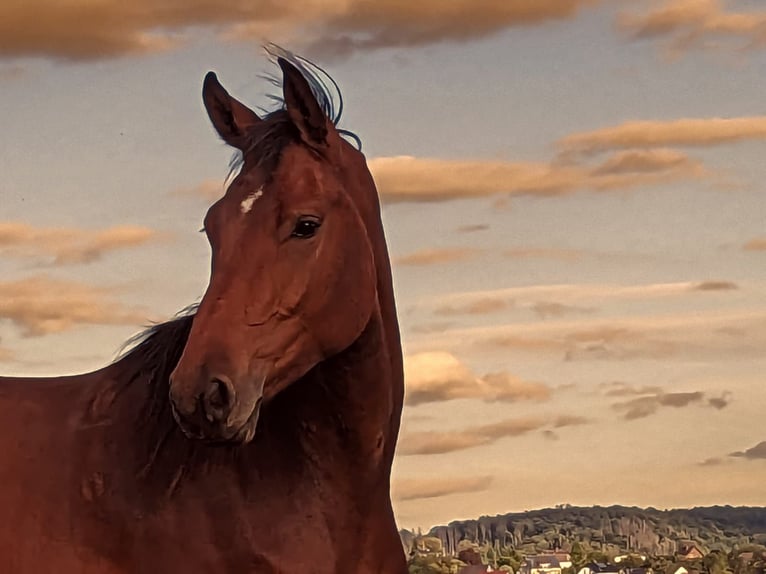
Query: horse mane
x=151 y=355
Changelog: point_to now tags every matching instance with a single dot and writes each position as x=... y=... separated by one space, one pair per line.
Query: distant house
x=622 y=558
x=601 y=568
x=565 y=560
x=676 y=569
x=541 y=564
x=689 y=552
x=746 y=557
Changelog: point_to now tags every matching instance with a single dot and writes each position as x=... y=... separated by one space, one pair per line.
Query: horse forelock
x=269 y=138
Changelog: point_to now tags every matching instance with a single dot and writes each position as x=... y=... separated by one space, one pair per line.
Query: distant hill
x=609 y=529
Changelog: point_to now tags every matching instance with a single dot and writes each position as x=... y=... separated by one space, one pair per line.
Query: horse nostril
x=218 y=399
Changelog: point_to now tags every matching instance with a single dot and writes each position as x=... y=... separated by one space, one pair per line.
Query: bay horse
x=255 y=433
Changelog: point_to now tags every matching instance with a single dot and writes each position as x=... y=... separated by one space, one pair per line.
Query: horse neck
x=393 y=341
x=359 y=182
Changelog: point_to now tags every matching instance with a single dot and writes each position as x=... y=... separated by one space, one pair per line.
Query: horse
x=256 y=431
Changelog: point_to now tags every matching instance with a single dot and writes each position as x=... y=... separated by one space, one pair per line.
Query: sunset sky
x=572 y=195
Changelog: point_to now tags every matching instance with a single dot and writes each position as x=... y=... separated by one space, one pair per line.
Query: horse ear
x=231 y=118
x=303 y=108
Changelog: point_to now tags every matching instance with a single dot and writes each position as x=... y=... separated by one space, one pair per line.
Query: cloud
x=578 y=294
x=439 y=376
x=715 y=286
x=67 y=246
x=643 y=161
x=410 y=179
x=482 y=306
x=110 y=28
x=417 y=489
x=432 y=327
x=758 y=244
x=548 y=309
x=695 y=132
x=437 y=256
x=719 y=402
x=696 y=23
x=507 y=388
x=620 y=389
x=442 y=442
x=472 y=228
x=645 y=406
x=387 y=23
x=616 y=343
x=6 y=355
x=698 y=336
x=544 y=253
x=756 y=452
x=562 y=421
x=42 y=305
x=694 y=335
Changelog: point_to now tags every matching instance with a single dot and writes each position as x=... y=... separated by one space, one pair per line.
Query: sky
x=572 y=195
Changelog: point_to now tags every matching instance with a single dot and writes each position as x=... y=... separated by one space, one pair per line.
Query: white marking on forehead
x=247 y=203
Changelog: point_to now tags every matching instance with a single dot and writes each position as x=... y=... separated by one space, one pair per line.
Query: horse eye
x=306 y=227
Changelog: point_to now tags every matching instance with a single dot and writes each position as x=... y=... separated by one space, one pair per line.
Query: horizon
x=575 y=507
x=571 y=194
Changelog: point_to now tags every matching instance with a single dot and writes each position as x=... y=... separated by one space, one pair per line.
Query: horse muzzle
x=218 y=410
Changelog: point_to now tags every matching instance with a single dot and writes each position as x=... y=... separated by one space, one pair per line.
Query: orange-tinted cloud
x=698 y=132
x=472 y=228
x=645 y=406
x=416 y=489
x=615 y=339
x=543 y=253
x=442 y=442
x=713 y=461
x=432 y=327
x=481 y=306
x=720 y=402
x=620 y=389
x=110 y=28
x=437 y=256
x=649 y=404
x=6 y=355
x=643 y=161
x=66 y=246
x=579 y=294
x=439 y=376
x=613 y=342
x=387 y=23
x=696 y=23
x=758 y=244
x=411 y=179
x=41 y=305
x=548 y=309
x=756 y=452
x=715 y=286
x=725 y=336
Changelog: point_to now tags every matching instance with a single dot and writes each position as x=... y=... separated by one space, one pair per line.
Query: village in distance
x=596 y=540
